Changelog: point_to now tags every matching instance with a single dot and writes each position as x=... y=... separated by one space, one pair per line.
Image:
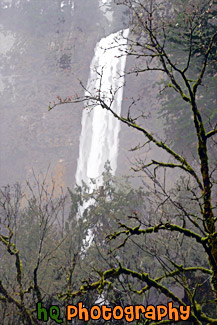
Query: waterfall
x=100 y=130
x=106 y=7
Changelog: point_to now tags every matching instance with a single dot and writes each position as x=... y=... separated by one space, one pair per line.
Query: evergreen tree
x=196 y=23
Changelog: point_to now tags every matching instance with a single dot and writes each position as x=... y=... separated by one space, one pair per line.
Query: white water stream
x=100 y=130
x=106 y=7
x=99 y=138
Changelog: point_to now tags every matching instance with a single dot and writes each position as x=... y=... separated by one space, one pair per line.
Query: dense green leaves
x=188 y=36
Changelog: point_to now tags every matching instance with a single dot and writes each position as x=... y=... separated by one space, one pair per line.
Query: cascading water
x=100 y=130
x=106 y=7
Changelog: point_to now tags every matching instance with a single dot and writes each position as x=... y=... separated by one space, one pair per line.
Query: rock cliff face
x=48 y=48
